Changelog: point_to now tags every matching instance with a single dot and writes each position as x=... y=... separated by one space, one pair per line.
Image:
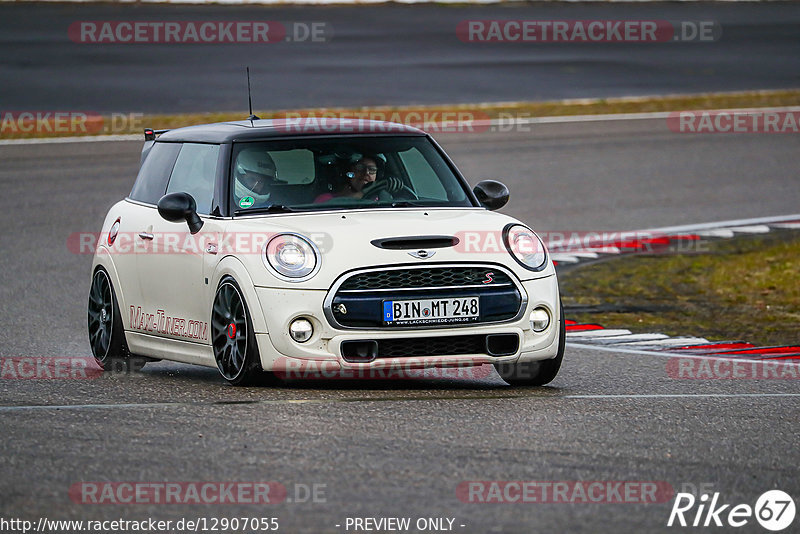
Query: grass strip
x=133 y=123
x=747 y=288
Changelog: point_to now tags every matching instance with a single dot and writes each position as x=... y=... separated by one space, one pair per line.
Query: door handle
x=145 y=235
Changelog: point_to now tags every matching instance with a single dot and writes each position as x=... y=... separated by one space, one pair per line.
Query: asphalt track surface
x=397 y=448
x=375 y=55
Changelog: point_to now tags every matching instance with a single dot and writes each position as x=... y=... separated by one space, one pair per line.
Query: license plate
x=430 y=311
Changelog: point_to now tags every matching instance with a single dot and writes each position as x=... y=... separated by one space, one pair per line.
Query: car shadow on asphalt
x=477 y=379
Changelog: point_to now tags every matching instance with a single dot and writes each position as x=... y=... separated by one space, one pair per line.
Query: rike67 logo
x=774 y=510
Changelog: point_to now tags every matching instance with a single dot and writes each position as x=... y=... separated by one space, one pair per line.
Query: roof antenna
x=252 y=117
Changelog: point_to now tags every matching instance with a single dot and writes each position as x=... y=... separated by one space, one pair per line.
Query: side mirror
x=492 y=194
x=176 y=207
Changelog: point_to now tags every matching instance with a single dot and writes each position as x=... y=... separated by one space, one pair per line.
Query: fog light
x=301 y=330
x=540 y=320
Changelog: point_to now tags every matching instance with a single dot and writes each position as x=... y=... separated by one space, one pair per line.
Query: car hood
x=345 y=240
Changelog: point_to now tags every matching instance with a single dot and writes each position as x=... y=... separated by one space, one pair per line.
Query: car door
x=136 y=216
x=172 y=278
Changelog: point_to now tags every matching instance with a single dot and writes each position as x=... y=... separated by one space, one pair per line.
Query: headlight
x=525 y=246
x=293 y=257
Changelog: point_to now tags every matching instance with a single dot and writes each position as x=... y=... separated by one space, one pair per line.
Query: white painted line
x=88 y=406
x=563 y=119
x=694 y=228
x=314 y=2
x=724 y=233
x=161 y=404
x=589 y=255
x=631 y=338
x=672 y=341
x=589 y=252
x=604 y=250
x=362 y=2
x=597 y=333
x=578 y=253
x=755 y=229
x=563 y=258
x=84 y=139
x=128 y=406
x=682 y=396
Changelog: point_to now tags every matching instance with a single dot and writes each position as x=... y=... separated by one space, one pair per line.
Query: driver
x=254 y=173
x=360 y=176
x=360 y=182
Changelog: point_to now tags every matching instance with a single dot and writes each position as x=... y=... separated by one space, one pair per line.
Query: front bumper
x=281 y=306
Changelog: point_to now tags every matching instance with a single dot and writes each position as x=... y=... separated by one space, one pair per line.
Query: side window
x=423 y=178
x=294 y=166
x=195 y=173
x=151 y=183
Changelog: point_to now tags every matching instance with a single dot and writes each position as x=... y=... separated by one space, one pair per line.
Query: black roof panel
x=222 y=132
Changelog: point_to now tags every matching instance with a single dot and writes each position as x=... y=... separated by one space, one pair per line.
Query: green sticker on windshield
x=246 y=202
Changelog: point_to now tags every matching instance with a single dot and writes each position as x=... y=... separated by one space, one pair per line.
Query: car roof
x=245 y=130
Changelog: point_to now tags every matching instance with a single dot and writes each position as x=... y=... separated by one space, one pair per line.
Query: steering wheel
x=384 y=184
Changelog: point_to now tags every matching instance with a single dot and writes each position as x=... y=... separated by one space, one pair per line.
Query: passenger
x=255 y=172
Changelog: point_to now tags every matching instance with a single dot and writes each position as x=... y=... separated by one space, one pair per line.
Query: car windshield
x=342 y=173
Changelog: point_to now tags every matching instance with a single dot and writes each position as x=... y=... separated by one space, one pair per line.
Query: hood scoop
x=416 y=242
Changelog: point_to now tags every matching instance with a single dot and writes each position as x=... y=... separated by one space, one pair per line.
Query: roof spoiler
x=151 y=134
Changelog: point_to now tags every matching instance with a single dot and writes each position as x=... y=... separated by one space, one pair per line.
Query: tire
x=232 y=337
x=106 y=333
x=536 y=373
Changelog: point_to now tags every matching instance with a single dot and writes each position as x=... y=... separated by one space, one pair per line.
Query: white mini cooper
x=260 y=246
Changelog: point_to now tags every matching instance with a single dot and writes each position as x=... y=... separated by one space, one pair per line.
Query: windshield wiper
x=407 y=204
x=272 y=208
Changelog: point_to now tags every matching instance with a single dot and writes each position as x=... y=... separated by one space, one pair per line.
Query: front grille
x=417 y=347
x=359 y=300
x=425 y=277
x=431 y=346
